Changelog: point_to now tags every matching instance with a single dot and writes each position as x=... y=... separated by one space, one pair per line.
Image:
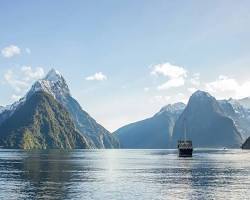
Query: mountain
x=246 y=144
x=154 y=132
x=206 y=123
x=55 y=85
x=209 y=123
x=239 y=114
x=4 y=114
x=40 y=122
x=8 y=110
x=245 y=102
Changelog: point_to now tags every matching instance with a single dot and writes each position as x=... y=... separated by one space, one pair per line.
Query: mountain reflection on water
x=124 y=174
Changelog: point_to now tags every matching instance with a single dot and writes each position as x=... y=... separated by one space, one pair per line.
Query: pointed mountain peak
x=201 y=96
x=53 y=83
x=53 y=75
x=200 y=93
x=201 y=101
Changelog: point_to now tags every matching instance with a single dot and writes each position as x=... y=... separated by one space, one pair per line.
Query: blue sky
x=124 y=60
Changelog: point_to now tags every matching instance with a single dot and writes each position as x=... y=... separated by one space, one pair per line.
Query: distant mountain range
x=245 y=102
x=155 y=132
x=206 y=123
x=209 y=123
x=49 y=117
x=54 y=120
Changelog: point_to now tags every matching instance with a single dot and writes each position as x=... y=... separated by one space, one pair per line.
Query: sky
x=124 y=60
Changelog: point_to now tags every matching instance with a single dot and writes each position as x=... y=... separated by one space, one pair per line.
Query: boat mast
x=185 y=130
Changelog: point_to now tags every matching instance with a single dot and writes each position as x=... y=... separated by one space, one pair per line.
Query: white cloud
x=10 y=51
x=169 y=70
x=176 y=82
x=23 y=78
x=30 y=74
x=195 y=79
x=99 y=76
x=185 y=82
x=222 y=84
x=243 y=90
x=225 y=87
x=17 y=84
x=146 y=89
x=176 y=75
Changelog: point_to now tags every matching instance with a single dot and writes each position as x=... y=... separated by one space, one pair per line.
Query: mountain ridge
x=205 y=101
x=154 y=132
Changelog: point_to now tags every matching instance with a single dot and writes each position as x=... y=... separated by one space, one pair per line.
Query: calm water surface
x=124 y=174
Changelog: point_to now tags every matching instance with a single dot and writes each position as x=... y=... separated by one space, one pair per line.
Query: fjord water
x=124 y=174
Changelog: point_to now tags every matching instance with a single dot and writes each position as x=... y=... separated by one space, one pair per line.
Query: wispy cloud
x=21 y=79
x=186 y=83
x=169 y=70
x=225 y=86
x=99 y=76
x=195 y=79
x=172 y=83
x=175 y=74
x=10 y=51
x=17 y=84
x=32 y=74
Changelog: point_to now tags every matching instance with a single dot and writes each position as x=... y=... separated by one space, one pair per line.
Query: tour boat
x=185 y=147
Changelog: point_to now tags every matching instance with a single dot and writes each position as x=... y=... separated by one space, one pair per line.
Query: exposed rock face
x=239 y=114
x=245 y=102
x=206 y=124
x=209 y=123
x=246 y=144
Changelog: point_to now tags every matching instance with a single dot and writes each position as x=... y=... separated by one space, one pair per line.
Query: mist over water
x=124 y=174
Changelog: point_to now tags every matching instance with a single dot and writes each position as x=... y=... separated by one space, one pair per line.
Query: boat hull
x=185 y=152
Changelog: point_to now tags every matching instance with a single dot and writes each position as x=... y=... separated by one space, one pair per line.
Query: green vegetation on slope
x=41 y=123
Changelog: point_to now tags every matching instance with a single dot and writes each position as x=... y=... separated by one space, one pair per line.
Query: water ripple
x=124 y=174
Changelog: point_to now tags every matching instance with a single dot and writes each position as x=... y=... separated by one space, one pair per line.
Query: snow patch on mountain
x=201 y=94
x=53 y=83
x=1 y=109
x=245 y=102
x=238 y=113
x=172 y=108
